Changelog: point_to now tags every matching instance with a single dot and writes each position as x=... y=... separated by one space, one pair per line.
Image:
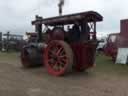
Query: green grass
x=106 y=66
x=8 y=56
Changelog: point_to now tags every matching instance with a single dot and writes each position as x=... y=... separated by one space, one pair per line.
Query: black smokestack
x=60 y=5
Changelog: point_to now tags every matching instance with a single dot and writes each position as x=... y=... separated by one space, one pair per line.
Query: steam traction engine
x=70 y=43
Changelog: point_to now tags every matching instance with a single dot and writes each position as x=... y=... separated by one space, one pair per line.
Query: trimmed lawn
x=106 y=66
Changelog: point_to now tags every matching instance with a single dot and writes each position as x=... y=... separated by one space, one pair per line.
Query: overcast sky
x=16 y=15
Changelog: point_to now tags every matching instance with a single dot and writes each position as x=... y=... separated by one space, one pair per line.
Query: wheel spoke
x=61 y=67
x=52 y=52
x=51 y=55
x=55 y=66
x=62 y=56
x=51 y=61
x=59 y=51
x=61 y=64
x=62 y=53
x=64 y=60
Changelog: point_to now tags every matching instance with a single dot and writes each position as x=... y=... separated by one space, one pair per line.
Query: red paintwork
x=111 y=46
x=84 y=54
x=124 y=28
x=57 y=34
x=84 y=57
x=121 y=40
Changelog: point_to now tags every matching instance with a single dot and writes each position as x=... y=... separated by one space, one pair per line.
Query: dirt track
x=17 y=81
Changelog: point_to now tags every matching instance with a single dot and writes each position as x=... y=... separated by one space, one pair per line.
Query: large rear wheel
x=58 y=58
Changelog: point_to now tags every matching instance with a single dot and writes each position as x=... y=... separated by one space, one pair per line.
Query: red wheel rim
x=56 y=58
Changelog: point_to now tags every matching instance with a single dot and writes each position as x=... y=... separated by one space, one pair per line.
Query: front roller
x=30 y=57
x=58 y=58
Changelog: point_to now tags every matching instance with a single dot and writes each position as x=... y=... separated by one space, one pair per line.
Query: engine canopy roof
x=88 y=16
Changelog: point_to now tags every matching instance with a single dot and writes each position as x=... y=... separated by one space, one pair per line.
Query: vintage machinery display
x=117 y=40
x=70 y=43
x=110 y=49
x=10 y=41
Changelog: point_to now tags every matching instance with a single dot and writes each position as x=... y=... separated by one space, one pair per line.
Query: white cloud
x=16 y=15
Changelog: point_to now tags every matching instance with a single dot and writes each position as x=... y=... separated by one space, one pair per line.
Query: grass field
x=10 y=57
x=104 y=65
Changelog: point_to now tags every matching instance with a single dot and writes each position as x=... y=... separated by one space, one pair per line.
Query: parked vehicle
x=64 y=50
